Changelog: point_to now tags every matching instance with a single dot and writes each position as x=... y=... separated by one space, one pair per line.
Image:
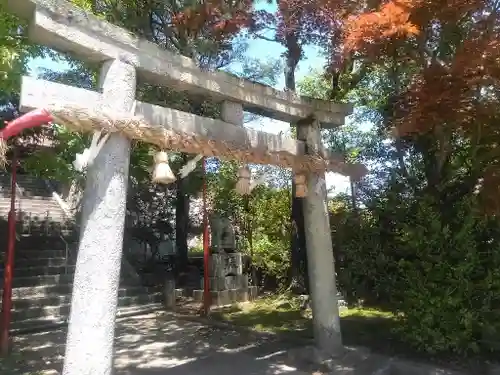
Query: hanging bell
x=243 y=184
x=162 y=174
x=300 y=185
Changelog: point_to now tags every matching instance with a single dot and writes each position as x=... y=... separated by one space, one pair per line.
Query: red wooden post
x=206 y=255
x=9 y=265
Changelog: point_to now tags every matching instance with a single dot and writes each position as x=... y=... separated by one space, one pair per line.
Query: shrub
x=437 y=270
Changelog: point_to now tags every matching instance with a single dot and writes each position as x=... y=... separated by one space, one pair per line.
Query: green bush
x=439 y=273
x=449 y=287
x=272 y=257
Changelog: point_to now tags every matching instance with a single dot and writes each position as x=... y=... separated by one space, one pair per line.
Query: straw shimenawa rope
x=136 y=127
x=4 y=148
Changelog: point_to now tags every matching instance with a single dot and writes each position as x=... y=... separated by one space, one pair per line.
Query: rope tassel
x=162 y=173
x=300 y=186
x=243 y=185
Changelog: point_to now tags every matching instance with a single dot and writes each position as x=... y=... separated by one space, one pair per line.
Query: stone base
x=227 y=297
x=198 y=295
x=169 y=295
x=220 y=298
x=227 y=282
x=253 y=293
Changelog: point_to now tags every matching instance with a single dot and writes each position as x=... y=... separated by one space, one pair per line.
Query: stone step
x=34 y=202
x=40 y=280
x=41 y=221
x=27 y=191
x=40 y=291
x=32 y=195
x=227 y=297
x=22 y=262
x=44 y=323
x=36 y=324
x=61 y=300
x=52 y=290
x=43 y=270
x=21 y=282
x=33 y=215
x=26 y=312
x=40 y=302
x=42 y=253
x=38 y=217
x=139 y=309
x=27 y=210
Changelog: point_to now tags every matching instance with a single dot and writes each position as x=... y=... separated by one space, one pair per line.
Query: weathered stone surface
x=233 y=295
x=198 y=295
x=253 y=292
x=320 y=260
x=232 y=282
x=89 y=348
x=242 y=295
x=232 y=113
x=220 y=298
x=63 y=26
x=234 y=264
x=216 y=283
x=223 y=264
x=179 y=292
x=222 y=236
x=169 y=294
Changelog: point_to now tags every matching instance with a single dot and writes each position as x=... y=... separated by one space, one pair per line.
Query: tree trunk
x=299 y=280
x=181 y=222
x=354 y=195
x=183 y=201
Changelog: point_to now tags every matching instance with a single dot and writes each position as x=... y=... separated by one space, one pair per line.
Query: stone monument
x=222 y=235
x=228 y=283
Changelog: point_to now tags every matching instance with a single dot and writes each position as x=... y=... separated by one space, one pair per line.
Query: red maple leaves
x=450 y=84
x=220 y=18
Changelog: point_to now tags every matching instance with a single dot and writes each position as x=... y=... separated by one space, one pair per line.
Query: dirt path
x=160 y=344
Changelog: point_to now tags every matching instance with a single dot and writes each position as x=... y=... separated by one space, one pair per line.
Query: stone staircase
x=45 y=262
x=36 y=209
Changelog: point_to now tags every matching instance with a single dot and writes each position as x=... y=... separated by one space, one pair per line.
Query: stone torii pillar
x=320 y=259
x=89 y=345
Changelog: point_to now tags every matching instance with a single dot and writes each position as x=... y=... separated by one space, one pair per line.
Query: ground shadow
x=158 y=343
x=282 y=321
x=369 y=328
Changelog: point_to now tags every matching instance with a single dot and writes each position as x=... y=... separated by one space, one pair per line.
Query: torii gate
x=64 y=27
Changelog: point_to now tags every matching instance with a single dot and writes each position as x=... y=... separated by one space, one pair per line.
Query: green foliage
x=55 y=163
x=438 y=275
x=14 y=52
x=272 y=257
x=264 y=216
x=419 y=245
x=269 y=215
x=450 y=290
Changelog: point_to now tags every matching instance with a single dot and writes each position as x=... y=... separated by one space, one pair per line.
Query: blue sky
x=259 y=49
